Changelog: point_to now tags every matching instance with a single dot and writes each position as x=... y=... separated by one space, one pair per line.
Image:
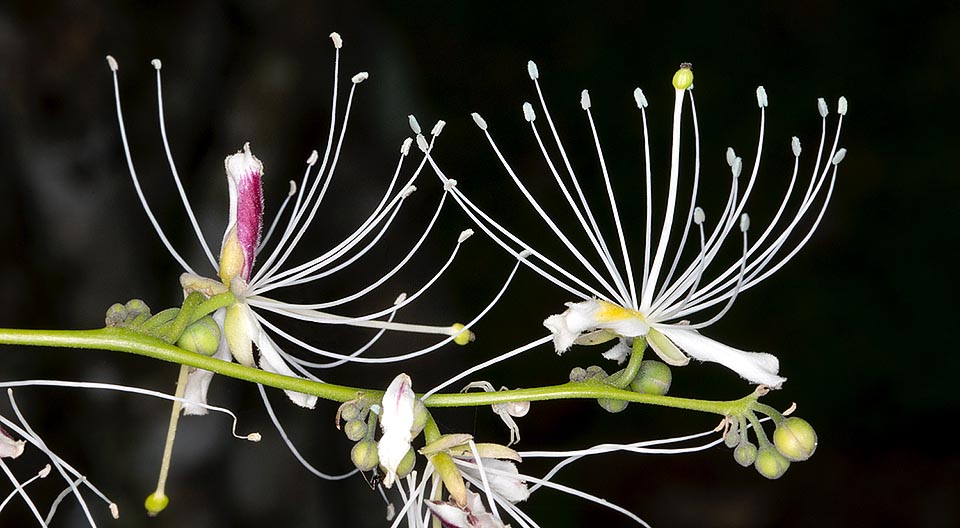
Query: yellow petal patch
x=608 y=312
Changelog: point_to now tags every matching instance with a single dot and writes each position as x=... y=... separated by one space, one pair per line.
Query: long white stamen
x=176 y=175
x=744 y=227
x=699 y=218
x=133 y=173
x=650 y=287
x=363 y=348
x=483 y=478
x=43 y=473
x=628 y=268
x=476 y=368
x=648 y=186
x=18 y=487
x=276 y=218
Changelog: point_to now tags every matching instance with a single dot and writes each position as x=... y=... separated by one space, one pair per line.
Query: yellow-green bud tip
x=795 y=439
x=156 y=502
x=462 y=336
x=684 y=76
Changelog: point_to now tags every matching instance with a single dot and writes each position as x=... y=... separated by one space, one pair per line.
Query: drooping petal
x=272 y=361
x=756 y=367
x=591 y=315
x=450 y=515
x=10 y=448
x=198 y=381
x=240 y=330
x=504 y=480
x=396 y=420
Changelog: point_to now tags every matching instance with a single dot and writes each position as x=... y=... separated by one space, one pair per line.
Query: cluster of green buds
x=188 y=327
x=794 y=440
x=645 y=376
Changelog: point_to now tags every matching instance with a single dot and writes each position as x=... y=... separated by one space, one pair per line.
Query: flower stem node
x=683 y=79
x=202 y=337
x=355 y=430
x=771 y=464
x=156 y=503
x=654 y=378
x=364 y=455
x=795 y=439
x=745 y=454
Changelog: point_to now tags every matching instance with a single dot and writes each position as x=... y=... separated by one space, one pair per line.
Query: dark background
x=861 y=320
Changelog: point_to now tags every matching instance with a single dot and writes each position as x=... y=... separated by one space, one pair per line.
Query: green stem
x=623 y=378
x=121 y=340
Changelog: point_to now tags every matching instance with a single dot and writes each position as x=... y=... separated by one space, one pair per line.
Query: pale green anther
x=842 y=106
x=795 y=146
x=699 y=216
x=744 y=222
x=532 y=70
x=822 y=107
x=684 y=76
x=585 y=100
x=438 y=128
x=481 y=122
x=422 y=143
x=838 y=157
x=201 y=337
x=640 y=98
x=731 y=156
x=414 y=124
x=762 y=97
x=737 y=167
x=528 y=113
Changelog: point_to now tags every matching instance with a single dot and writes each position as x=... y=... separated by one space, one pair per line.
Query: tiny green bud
x=684 y=76
x=116 y=315
x=349 y=411
x=406 y=464
x=795 y=439
x=364 y=455
x=745 y=454
x=654 y=378
x=355 y=430
x=202 y=337
x=732 y=438
x=420 y=415
x=594 y=372
x=771 y=464
x=612 y=406
x=156 y=502
x=577 y=374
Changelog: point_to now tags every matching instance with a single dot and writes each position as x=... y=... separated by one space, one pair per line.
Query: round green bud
x=595 y=372
x=355 y=430
x=116 y=314
x=771 y=464
x=420 y=415
x=684 y=76
x=136 y=307
x=612 y=406
x=406 y=463
x=745 y=454
x=364 y=455
x=654 y=377
x=795 y=439
x=577 y=374
x=202 y=337
x=349 y=411
x=155 y=503
x=732 y=438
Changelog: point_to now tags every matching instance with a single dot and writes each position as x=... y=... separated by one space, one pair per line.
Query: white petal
x=757 y=367
x=10 y=448
x=587 y=316
x=449 y=514
x=619 y=352
x=510 y=486
x=271 y=361
x=396 y=420
x=198 y=381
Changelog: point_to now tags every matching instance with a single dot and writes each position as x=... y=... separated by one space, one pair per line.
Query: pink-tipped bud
x=244 y=178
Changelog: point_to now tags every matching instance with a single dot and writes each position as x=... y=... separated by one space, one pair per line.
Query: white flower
x=473 y=515
x=396 y=420
x=249 y=278
x=621 y=301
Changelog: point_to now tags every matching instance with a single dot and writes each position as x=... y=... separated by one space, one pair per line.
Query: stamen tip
x=405 y=146
x=524 y=254
x=400 y=298
x=337 y=41
x=842 y=106
x=408 y=190
x=528 y=113
x=313 y=158
x=293 y=188
x=464 y=235
x=481 y=122
x=449 y=184
x=699 y=216
x=437 y=128
x=422 y=143
x=114 y=510
x=838 y=157
x=533 y=71
x=640 y=98
x=737 y=167
x=822 y=107
x=112 y=63
x=360 y=77
x=761 y=97
x=683 y=79
x=731 y=156
x=156 y=64
x=585 y=100
x=414 y=124
x=795 y=145
x=744 y=222
x=44 y=472
x=254 y=437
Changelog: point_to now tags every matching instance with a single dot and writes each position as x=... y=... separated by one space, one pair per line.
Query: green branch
x=122 y=340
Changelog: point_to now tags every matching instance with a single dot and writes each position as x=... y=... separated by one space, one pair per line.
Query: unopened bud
x=355 y=430
x=771 y=464
x=406 y=464
x=202 y=337
x=732 y=437
x=795 y=439
x=745 y=454
x=654 y=377
x=349 y=411
x=612 y=406
x=364 y=455
x=420 y=416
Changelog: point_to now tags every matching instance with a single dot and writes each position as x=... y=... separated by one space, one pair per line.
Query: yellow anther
x=684 y=76
x=156 y=502
x=462 y=335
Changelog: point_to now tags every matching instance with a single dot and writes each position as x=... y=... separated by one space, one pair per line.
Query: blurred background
x=856 y=318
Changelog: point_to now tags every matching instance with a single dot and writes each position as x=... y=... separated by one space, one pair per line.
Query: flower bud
x=612 y=406
x=795 y=439
x=364 y=455
x=355 y=430
x=654 y=378
x=420 y=415
x=349 y=411
x=202 y=337
x=745 y=454
x=771 y=464
x=577 y=374
x=732 y=436
x=116 y=314
x=406 y=463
